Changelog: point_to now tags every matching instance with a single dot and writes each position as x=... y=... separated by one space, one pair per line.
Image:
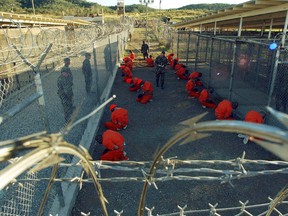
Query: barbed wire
x=170 y=171
x=64 y=41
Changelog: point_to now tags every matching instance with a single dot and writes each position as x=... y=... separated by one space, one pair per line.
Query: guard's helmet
x=66 y=60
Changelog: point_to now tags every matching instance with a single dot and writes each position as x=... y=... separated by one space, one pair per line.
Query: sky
x=167 y=4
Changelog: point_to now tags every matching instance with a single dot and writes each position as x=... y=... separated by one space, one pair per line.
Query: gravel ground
x=150 y=127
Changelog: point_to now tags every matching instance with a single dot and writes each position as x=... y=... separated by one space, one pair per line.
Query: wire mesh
x=23 y=55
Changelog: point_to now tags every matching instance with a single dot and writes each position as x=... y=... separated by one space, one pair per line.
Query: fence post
x=187 y=51
x=232 y=71
x=177 y=53
x=38 y=83
x=118 y=49
x=197 y=50
x=258 y=66
x=206 y=51
x=274 y=74
x=211 y=61
x=110 y=54
x=96 y=73
x=41 y=101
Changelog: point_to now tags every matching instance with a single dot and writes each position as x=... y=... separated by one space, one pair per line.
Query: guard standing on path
x=86 y=68
x=145 y=50
x=161 y=62
x=65 y=91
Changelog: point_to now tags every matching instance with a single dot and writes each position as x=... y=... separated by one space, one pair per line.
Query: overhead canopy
x=255 y=14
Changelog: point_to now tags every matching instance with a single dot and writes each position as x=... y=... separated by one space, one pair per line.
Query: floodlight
x=273 y=46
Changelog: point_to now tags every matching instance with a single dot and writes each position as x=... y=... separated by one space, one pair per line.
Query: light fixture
x=273 y=46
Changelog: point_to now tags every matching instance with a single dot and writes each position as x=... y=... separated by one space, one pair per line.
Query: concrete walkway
x=150 y=127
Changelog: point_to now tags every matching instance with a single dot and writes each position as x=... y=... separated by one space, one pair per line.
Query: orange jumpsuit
x=190 y=88
x=254 y=117
x=119 y=119
x=129 y=64
x=194 y=75
x=182 y=73
x=224 y=110
x=132 y=56
x=126 y=73
x=127 y=58
x=135 y=85
x=150 y=62
x=110 y=140
x=178 y=66
x=174 y=62
x=170 y=58
x=205 y=100
x=147 y=93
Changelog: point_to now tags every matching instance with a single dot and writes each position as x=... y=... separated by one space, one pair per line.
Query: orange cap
x=112 y=106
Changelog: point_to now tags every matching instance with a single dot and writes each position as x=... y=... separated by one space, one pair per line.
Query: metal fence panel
x=22 y=104
x=220 y=67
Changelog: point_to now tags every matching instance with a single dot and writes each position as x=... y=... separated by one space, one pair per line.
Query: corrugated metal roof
x=255 y=14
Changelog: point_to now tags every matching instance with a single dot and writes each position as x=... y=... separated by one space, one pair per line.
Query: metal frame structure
x=257 y=15
x=7 y=19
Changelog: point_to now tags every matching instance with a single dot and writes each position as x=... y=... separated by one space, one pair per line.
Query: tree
x=10 y=6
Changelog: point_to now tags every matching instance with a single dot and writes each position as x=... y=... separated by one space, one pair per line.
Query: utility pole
x=33 y=7
x=146 y=2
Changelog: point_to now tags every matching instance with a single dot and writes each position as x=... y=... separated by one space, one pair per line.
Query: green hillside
x=85 y=8
x=210 y=7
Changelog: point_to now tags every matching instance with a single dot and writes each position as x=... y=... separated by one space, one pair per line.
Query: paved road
x=150 y=127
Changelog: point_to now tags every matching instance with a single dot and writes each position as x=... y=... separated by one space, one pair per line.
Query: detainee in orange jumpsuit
x=196 y=76
x=224 y=110
x=170 y=58
x=132 y=55
x=182 y=73
x=127 y=58
x=205 y=99
x=119 y=118
x=129 y=63
x=174 y=62
x=150 y=61
x=191 y=89
x=135 y=84
x=126 y=73
x=147 y=92
x=177 y=66
x=114 y=143
x=253 y=117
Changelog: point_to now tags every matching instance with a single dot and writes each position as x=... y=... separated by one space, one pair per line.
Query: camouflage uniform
x=86 y=68
x=161 y=62
x=65 y=91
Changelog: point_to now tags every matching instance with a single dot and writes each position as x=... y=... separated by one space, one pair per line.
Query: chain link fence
x=242 y=69
x=30 y=63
